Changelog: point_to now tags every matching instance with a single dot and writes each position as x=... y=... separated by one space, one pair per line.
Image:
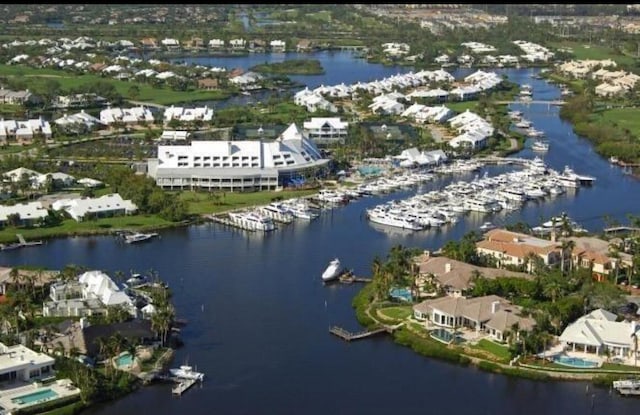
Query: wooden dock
x=349 y=278
x=182 y=386
x=348 y=336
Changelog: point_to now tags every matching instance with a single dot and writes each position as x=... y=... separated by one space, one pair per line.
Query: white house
x=277 y=45
x=107 y=205
x=188 y=114
x=18 y=362
x=24 y=130
x=29 y=213
x=237 y=43
x=170 y=43
x=326 y=130
x=126 y=115
x=216 y=43
x=599 y=333
x=80 y=119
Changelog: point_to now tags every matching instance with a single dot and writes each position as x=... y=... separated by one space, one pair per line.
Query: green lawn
x=462 y=106
x=71 y=227
x=164 y=96
x=625 y=118
x=615 y=366
x=397 y=313
x=582 y=50
x=501 y=352
x=203 y=202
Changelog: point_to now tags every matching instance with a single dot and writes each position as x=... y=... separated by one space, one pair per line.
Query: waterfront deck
x=182 y=386
x=349 y=336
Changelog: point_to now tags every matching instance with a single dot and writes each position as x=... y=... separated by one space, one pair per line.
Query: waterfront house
x=277 y=45
x=304 y=45
x=91 y=294
x=20 y=363
x=512 y=248
x=412 y=157
x=248 y=80
x=28 y=214
x=208 y=84
x=103 y=206
x=601 y=334
x=598 y=255
x=170 y=43
x=454 y=277
x=216 y=44
x=237 y=43
x=442 y=59
x=238 y=165
x=326 y=130
x=490 y=315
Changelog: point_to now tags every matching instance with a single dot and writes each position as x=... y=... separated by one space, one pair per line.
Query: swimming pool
x=444 y=336
x=124 y=360
x=574 y=361
x=401 y=294
x=41 y=395
x=369 y=170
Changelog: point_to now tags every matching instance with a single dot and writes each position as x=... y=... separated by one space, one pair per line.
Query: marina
x=277 y=279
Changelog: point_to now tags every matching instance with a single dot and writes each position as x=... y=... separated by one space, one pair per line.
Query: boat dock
x=182 y=386
x=348 y=336
x=349 y=278
x=22 y=243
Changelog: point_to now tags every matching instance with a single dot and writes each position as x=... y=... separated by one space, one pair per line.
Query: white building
x=107 y=205
x=79 y=120
x=216 y=43
x=126 y=115
x=599 y=333
x=24 y=130
x=23 y=364
x=326 y=130
x=278 y=45
x=412 y=157
x=238 y=165
x=30 y=213
x=188 y=114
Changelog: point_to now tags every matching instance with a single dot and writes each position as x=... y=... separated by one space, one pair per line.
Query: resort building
x=492 y=315
x=326 y=130
x=599 y=333
x=239 y=165
x=511 y=248
x=91 y=294
x=103 y=206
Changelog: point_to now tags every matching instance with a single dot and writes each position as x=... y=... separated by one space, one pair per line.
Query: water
x=259 y=314
x=35 y=396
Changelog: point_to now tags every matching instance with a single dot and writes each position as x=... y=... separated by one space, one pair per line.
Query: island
x=291 y=67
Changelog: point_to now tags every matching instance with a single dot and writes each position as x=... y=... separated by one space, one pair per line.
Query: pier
x=349 y=336
x=22 y=243
x=230 y=222
x=349 y=278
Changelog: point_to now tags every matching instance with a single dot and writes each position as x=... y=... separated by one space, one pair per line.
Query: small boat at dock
x=186 y=372
x=139 y=237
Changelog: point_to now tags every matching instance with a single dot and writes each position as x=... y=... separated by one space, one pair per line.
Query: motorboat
x=487 y=226
x=540 y=145
x=139 y=237
x=332 y=271
x=186 y=372
x=627 y=386
x=253 y=221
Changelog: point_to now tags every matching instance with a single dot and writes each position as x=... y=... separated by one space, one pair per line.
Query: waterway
x=259 y=315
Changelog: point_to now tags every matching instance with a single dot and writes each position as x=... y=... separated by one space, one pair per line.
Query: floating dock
x=22 y=243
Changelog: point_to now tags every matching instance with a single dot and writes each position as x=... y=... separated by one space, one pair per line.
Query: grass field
x=202 y=203
x=584 y=51
x=462 y=106
x=164 y=96
x=397 y=313
x=499 y=351
x=625 y=118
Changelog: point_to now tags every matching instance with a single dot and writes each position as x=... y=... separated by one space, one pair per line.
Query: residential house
x=216 y=43
x=80 y=121
x=183 y=114
x=196 y=43
x=598 y=255
x=304 y=45
x=512 y=248
x=454 y=277
x=170 y=43
x=29 y=214
x=238 y=43
x=326 y=130
x=133 y=115
x=277 y=45
x=20 y=363
x=600 y=333
x=208 y=84
x=491 y=315
x=103 y=206
x=8 y=96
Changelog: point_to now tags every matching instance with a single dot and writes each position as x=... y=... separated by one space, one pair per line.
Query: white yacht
x=523 y=124
x=252 y=221
x=384 y=217
x=330 y=196
x=186 y=372
x=333 y=271
x=138 y=237
x=301 y=210
x=540 y=145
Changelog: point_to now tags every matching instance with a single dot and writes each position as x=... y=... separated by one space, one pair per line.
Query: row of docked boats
x=508 y=191
x=540 y=143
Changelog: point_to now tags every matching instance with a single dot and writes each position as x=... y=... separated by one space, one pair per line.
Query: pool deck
x=62 y=387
